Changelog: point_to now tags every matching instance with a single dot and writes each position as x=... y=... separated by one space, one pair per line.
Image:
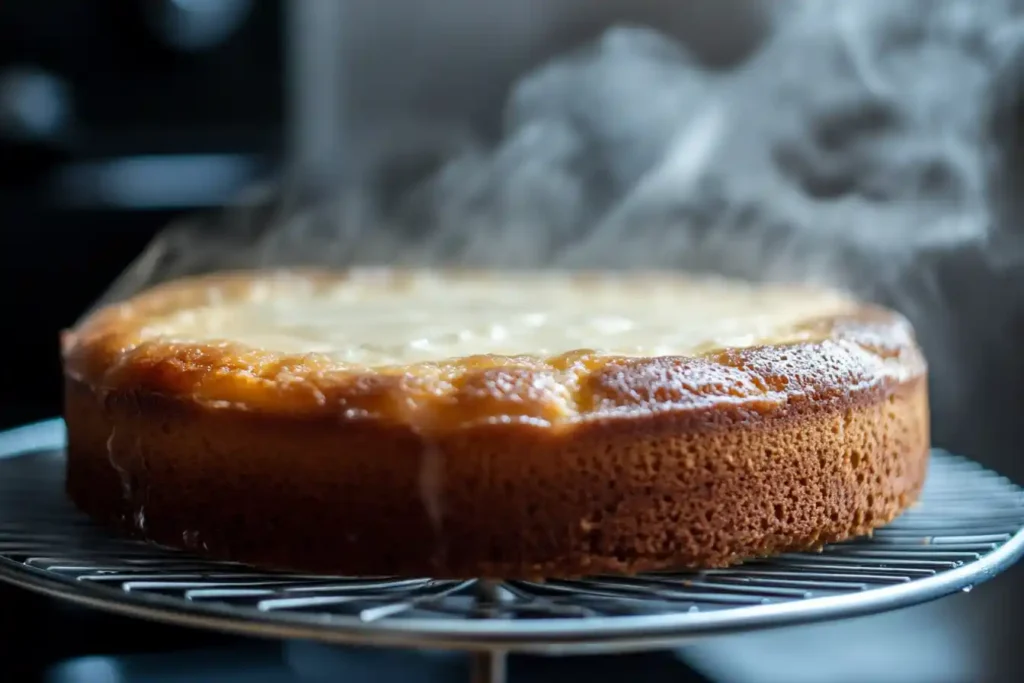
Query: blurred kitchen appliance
x=366 y=78
x=115 y=117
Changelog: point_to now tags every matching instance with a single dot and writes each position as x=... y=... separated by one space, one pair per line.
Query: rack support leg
x=489 y=667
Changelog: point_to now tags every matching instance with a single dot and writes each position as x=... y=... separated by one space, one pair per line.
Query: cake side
x=703 y=489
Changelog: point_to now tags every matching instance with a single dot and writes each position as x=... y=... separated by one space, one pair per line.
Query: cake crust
x=492 y=465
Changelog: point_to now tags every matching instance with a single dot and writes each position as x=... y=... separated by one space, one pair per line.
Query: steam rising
x=856 y=148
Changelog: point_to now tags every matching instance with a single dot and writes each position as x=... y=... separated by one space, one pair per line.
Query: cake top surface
x=436 y=349
x=381 y=318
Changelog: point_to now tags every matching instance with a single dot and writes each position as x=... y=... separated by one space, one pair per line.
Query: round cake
x=492 y=424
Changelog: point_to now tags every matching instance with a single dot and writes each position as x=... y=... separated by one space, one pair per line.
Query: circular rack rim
x=620 y=633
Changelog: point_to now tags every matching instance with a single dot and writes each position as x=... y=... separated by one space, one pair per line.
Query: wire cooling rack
x=966 y=528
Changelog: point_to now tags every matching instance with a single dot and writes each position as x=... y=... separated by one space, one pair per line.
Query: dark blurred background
x=871 y=145
x=115 y=116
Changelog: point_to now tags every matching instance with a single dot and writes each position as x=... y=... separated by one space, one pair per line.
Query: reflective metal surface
x=966 y=529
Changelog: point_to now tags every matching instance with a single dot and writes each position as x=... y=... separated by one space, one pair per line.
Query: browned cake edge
x=669 y=463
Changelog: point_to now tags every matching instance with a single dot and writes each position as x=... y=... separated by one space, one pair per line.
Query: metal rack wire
x=967 y=527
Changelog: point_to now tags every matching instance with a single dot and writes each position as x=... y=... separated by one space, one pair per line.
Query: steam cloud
x=860 y=147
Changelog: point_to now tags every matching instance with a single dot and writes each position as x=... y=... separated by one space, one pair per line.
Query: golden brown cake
x=492 y=424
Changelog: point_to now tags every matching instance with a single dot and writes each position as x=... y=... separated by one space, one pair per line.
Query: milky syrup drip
x=372 y=319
